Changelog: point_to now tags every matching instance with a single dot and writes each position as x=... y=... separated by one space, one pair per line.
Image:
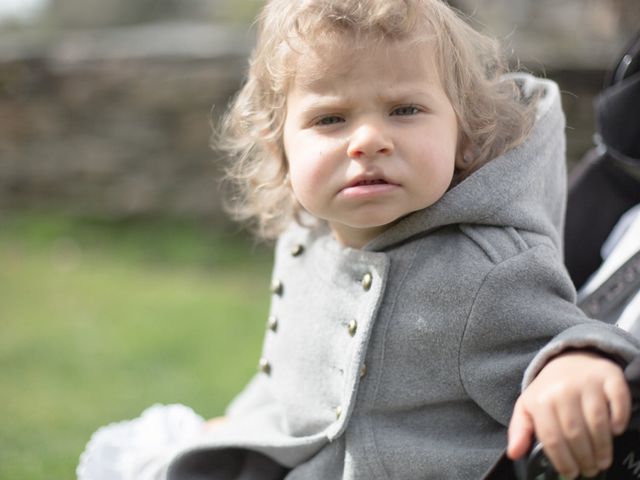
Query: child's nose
x=369 y=140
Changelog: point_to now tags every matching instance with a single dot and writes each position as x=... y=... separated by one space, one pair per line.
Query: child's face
x=370 y=141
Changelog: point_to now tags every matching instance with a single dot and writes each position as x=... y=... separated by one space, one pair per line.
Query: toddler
x=417 y=194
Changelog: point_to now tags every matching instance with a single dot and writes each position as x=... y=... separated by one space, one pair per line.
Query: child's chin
x=384 y=222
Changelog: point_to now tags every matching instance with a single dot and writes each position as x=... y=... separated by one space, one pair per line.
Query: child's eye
x=406 y=110
x=329 y=120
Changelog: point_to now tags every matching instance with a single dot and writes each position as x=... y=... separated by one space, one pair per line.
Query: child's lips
x=378 y=181
x=370 y=179
x=368 y=187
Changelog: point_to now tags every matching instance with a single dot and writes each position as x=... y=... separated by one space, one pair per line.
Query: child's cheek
x=309 y=181
x=301 y=176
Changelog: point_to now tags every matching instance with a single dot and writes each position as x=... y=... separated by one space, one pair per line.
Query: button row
x=277 y=287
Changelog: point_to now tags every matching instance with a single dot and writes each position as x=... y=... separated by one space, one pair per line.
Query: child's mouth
x=369 y=187
x=371 y=182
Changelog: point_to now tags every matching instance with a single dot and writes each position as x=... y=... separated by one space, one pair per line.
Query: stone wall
x=113 y=136
x=567 y=34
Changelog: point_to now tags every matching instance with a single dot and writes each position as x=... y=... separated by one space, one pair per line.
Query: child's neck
x=354 y=237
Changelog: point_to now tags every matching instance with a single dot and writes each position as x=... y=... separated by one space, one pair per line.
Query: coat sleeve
x=524 y=313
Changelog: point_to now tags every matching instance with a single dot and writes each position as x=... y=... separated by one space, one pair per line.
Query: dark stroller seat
x=607 y=181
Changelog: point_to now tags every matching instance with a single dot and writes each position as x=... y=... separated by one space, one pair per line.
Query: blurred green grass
x=101 y=319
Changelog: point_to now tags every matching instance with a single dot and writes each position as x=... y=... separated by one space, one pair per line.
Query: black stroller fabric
x=607 y=182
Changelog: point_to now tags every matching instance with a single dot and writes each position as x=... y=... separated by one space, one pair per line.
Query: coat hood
x=524 y=188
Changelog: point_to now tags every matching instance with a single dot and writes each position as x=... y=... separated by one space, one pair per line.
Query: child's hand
x=574 y=406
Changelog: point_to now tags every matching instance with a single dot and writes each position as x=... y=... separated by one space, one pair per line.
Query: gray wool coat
x=403 y=360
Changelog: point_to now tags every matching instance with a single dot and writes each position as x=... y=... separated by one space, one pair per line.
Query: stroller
x=603 y=215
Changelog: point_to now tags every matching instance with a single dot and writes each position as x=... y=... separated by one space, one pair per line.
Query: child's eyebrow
x=406 y=94
x=318 y=100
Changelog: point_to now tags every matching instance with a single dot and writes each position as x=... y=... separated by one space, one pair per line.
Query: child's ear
x=465 y=156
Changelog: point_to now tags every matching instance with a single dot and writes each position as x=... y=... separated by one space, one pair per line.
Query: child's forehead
x=317 y=66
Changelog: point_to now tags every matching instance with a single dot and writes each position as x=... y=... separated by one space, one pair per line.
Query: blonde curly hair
x=492 y=115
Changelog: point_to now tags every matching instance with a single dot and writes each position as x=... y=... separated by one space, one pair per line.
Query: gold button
x=352 y=327
x=363 y=370
x=367 y=280
x=272 y=323
x=338 y=411
x=297 y=250
x=277 y=288
x=264 y=366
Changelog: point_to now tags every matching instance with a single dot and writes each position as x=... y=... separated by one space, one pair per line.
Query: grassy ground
x=100 y=320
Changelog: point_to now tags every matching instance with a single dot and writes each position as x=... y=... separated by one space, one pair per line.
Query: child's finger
x=596 y=414
x=619 y=399
x=577 y=434
x=549 y=432
x=520 y=432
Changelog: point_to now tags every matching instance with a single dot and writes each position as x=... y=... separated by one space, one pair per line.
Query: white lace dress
x=139 y=449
